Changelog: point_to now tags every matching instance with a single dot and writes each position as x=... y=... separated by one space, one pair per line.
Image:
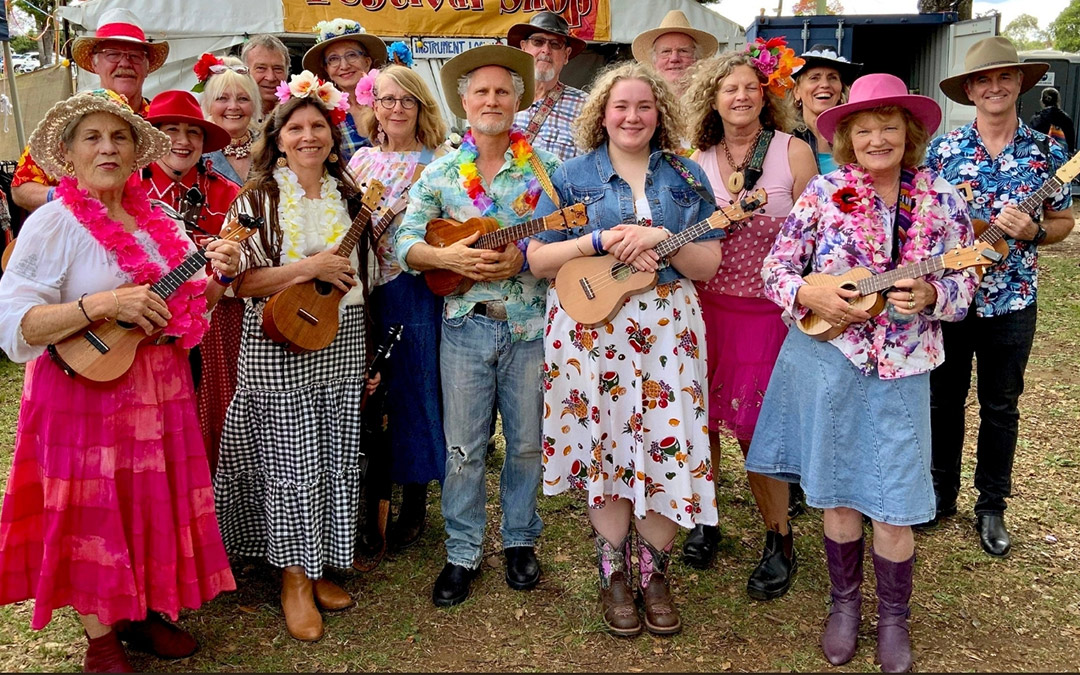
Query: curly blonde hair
x=707 y=128
x=916 y=137
x=589 y=131
x=430 y=126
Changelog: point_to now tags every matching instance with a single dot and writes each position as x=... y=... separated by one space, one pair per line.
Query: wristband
x=597 y=241
x=83 y=309
x=50 y=195
x=222 y=279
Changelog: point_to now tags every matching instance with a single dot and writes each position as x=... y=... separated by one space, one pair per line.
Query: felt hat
x=674 y=22
x=824 y=56
x=990 y=54
x=180 y=106
x=339 y=30
x=545 y=22
x=464 y=63
x=877 y=90
x=119 y=25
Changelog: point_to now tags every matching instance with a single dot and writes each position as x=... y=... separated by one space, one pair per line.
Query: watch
x=1039 y=236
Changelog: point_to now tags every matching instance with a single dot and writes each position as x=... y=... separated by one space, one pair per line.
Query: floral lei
x=776 y=61
x=188 y=304
x=333 y=217
x=474 y=186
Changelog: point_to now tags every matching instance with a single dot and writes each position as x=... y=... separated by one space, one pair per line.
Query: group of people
x=256 y=448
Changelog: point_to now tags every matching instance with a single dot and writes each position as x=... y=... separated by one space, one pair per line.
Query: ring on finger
x=911 y=304
x=911 y=296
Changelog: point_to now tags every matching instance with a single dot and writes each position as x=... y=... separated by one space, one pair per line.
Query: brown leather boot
x=105 y=654
x=661 y=617
x=331 y=597
x=298 y=602
x=616 y=598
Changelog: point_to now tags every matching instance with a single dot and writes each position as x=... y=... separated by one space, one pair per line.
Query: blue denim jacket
x=591 y=180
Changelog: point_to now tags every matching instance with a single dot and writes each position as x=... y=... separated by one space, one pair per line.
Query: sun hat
x=545 y=22
x=47 y=148
x=824 y=56
x=674 y=22
x=464 y=63
x=339 y=30
x=180 y=106
x=990 y=54
x=117 y=24
x=877 y=90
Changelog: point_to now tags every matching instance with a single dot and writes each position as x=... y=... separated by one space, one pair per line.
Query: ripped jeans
x=481 y=367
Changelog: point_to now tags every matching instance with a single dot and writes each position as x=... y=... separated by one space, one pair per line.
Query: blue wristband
x=51 y=194
x=597 y=241
x=222 y=279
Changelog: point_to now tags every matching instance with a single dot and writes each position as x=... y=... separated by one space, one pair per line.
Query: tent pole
x=19 y=134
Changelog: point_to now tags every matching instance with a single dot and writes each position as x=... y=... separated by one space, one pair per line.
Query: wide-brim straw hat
x=545 y=22
x=46 y=146
x=118 y=25
x=990 y=54
x=824 y=56
x=175 y=106
x=340 y=30
x=876 y=91
x=464 y=63
x=674 y=22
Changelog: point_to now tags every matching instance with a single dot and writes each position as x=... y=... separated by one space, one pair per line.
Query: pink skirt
x=743 y=338
x=109 y=507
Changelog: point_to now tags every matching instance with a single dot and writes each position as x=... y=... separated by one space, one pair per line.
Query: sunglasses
x=219 y=68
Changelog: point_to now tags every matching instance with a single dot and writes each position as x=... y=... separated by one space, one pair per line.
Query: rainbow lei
x=776 y=61
x=474 y=185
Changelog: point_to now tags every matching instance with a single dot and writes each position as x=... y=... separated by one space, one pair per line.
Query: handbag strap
x=546 y=106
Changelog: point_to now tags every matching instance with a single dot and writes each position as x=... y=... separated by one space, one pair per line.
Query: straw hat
x=674 y=22
x=180 y=106
x=875 y=91
x=824 y=56
x=990 y=54
x=339 y=30
x=464 y=63
x=48 y=151
x=545 y=22
x=120 y=25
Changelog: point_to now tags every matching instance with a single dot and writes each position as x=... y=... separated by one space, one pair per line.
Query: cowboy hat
x=674 y=22
x=990 y=54
x=46 y=145
x=545 y=22
x=824 y=56
x=118 y=25
x=180 y=106
x=464 y=63
x=875 y=91
x=340 y=30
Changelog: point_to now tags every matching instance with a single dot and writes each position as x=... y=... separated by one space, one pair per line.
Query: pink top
x=747 y=246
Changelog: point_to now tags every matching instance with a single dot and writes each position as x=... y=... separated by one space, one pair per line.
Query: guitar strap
x=544 y=180
x=904 y=207
x=676 y=163
x=540 y=116
x=757 y=160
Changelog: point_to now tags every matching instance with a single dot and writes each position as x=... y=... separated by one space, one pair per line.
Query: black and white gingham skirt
x=288 y=480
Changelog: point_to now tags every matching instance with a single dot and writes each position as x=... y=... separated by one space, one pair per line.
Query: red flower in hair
x=845 y=199
x=202 y=66
x=775 y=42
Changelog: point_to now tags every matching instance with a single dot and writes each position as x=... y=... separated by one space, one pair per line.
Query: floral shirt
x=1019 y=170
x=836 y=237
x=440 y=193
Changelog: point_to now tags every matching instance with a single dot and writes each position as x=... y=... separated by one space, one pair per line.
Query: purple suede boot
x=894 y=592
x=846 y=574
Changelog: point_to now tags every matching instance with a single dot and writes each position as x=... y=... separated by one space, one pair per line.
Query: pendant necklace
x=737 y=180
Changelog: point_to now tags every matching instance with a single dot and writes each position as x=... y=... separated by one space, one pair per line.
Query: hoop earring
x=798 y=104
x=69 y=168
x=282 y=162
x=332 y=158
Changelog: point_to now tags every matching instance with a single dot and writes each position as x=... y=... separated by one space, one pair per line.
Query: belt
x=492 y=309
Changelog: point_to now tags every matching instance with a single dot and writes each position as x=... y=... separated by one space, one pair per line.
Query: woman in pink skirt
x=736 y=130
x=109 y=506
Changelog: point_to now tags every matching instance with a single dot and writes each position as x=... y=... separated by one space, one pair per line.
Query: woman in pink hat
x=849 y=419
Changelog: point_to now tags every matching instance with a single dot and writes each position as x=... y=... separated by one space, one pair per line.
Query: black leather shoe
x=993 y=536
x=522 y=568
x=772 y=576
x=452 y=586
x=700 y=546
x=939 y=515
x=796 y=501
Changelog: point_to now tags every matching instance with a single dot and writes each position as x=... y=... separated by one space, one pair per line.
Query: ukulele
x=870 y=285
x=305 y=315
x=442 y=232
x=105 y=350
x=593 y=289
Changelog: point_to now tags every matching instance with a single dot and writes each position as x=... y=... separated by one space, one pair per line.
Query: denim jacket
x=591 y=180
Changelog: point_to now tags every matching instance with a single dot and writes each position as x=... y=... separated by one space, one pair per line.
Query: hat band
x=989 y=64
x=120 y=31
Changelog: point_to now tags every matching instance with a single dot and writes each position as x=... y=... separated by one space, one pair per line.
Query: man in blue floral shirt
x=1005 y=161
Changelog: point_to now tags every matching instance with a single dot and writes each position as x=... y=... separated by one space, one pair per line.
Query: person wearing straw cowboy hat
x=673 y=46
x=120 y=55
x=491 y=350
x=1004 y=160
x=850 y=418
x=822 y=82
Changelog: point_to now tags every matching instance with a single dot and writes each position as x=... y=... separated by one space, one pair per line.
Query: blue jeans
x=482 y=368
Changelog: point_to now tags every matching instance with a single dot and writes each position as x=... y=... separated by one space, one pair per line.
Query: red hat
x=181 y=106
x=119 y=25
x=877 y=90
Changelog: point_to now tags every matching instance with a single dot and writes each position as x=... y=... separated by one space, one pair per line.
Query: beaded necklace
x=238 y=147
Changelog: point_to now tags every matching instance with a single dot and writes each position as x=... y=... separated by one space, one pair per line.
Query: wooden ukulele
x=305 y=315
x=870 y=285
x=105 y=350
x=593 y=289
x=442 y=232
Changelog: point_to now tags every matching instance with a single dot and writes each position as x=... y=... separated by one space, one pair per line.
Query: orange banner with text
x=588 y=19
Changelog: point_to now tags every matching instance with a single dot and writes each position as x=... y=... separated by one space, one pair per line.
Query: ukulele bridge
x=308 y=316
x=587 y=287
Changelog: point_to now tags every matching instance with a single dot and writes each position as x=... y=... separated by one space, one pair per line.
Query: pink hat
x=875 y=91
x=117 y=24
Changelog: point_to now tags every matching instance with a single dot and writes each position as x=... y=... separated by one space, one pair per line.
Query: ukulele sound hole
x=849 y=286
x=621 y=272
x=323 y=287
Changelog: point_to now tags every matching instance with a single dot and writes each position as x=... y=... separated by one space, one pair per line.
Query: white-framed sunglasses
x=219 y=68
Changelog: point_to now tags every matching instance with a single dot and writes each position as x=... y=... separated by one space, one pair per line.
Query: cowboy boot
x=154 y=635
x=106 y=654
x=302 y=618
x=616 y=598
x=846 y=574
x=661 y=617
x=894 y=592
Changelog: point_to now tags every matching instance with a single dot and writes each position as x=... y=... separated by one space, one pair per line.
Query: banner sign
x=588 y=19
x=445 y=48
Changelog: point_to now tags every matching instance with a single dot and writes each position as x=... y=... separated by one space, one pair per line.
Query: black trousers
x=1000 y=346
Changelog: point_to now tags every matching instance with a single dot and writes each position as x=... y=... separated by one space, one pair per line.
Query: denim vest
x=591 y=180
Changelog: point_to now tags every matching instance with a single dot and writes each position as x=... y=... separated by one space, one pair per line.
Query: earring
x=282 y=162
x=69 y=168
x=798 y=103
x=333 y=158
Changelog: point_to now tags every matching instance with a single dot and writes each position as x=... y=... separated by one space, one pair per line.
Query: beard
x=544 y=72
x=494 y=128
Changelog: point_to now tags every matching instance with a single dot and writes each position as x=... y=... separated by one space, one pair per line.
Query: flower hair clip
x=400 y=54
x=202 y=70
x=307 y=85
x=365 y=88
x=776 y=61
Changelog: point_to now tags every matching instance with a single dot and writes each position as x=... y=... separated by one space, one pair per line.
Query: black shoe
x=939 y=515
x=452 y=586
x=522 y=568
x=993 y=536
x=796 y=501
x=409 y=525
x=700 y=546
x=772 y=576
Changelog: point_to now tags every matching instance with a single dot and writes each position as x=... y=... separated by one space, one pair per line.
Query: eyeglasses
x=352 y=56
x=219 y=68
x=118 y=55
x=407 y=102
x=554 y=43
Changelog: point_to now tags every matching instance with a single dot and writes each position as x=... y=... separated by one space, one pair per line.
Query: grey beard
x=544 y=73
x=494 y=128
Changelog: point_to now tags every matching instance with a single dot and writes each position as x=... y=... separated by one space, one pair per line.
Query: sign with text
x=445 y=48
x=588 y=19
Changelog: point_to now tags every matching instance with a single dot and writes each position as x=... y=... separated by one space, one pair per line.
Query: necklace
x=737 y=180
x=238 y=147
x=332 y=216
x=474 y=186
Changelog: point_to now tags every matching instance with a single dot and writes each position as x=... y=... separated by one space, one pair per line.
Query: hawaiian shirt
x=1019 y=170
x=351 y=138
x=556 y=135
x=440 y=193
x=820 y=230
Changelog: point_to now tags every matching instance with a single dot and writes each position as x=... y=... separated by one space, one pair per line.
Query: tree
x=1065 y=30
x=41 y=11
x=20 y=44
x=809 y=7
x=1025 y=33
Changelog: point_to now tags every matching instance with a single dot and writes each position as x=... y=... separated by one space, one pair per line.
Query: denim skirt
x=851 y=440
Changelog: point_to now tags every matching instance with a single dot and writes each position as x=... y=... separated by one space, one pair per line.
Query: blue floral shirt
x=1019 y=170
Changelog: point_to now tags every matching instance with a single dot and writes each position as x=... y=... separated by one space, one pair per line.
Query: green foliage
x=809 y=7
x=23 y=43
x=1066 y=28
x=39 y=9
x=1025 y=33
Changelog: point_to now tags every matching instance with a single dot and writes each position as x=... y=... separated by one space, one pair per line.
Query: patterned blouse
x=835 y=241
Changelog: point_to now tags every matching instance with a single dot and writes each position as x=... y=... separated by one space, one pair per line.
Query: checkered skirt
x=288 y=480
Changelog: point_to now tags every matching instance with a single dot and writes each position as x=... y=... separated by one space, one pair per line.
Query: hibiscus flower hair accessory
x=307 y=85
x=202 y=70
x=400 y=54
x=776 y=61
x=365 y=88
